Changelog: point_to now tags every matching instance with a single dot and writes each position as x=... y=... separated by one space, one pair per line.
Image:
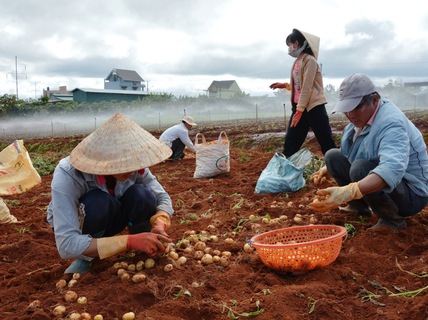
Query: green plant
x=311 y=304
x=44 y=165
x=21 y=230
x=12 y=203
x=350 y=230
x=233 y=314
x=243 y=156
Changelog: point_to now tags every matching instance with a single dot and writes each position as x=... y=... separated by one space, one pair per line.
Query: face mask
x=292 y=51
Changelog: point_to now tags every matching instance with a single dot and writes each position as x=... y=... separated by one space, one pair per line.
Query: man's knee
x=360 y=169
x=332 y=155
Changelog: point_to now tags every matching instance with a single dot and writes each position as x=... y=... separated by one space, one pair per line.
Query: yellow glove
x=317 y=177
x=333 y=197
x=161 y=217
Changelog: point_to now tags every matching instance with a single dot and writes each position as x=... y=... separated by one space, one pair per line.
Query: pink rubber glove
x=147 y=242
x=280 y=85
x=333 y=197
x=150 y=243
x=296 y=118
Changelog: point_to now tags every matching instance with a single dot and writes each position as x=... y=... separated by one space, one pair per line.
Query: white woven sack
x=5 y=216
x=211 y=158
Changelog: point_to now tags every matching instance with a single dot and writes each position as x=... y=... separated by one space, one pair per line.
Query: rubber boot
x=387 y=211
x=358 y=207
x=79 y=266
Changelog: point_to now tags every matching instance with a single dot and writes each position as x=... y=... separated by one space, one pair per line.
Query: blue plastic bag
x=284 y=175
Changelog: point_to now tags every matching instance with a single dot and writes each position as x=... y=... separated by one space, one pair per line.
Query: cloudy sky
x=180 y=47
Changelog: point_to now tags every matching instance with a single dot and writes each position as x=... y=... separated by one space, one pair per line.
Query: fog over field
x=158 y=116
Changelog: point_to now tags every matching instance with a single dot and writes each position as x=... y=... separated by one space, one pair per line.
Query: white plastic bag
x=212 y=158
x=284 y=175
x=17 y=173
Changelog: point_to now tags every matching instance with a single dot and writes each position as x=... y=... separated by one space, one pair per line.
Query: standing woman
x=307 y=95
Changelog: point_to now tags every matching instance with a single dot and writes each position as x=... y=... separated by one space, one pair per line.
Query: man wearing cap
x=177 y=138
x=104 y=186
x=382 y=163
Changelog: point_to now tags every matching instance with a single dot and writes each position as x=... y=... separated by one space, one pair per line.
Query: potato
x=200 y=245
x=58 y=310
x=248 y=248
x=139 y=277
x=207 y=259
x=139 y=266
x=82 y=300
x=85 y=316
x=214 y=238
x=224 y=261
x=150 y=263
x=198 y=254
x=182 y=260
x=128 y=316
x=168 y=268
x=229 y=241
x=75 y=316
x=36 y=304
x=98 y=317
x=70 y=296
x=173 y=255
x=125 y=276
x=72 y=283
x=61 y=284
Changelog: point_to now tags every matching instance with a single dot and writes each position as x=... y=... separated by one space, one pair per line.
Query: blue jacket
x=395 y=145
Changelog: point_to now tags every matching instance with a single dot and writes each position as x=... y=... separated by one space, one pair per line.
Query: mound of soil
x=380 y=274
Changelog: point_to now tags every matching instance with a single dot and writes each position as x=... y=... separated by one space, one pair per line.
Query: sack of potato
x=212 y=158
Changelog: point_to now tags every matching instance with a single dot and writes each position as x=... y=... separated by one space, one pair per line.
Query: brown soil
x=364 y=282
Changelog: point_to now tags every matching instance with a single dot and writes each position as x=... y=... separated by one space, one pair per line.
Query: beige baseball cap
x=118 y=146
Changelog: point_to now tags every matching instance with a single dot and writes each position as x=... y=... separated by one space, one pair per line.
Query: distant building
x=120 y=79
x=62 y=94
x=99 y=95
x=224 y=89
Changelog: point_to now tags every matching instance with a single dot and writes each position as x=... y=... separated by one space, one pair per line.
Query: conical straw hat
x=313 y=42
x=118 y=146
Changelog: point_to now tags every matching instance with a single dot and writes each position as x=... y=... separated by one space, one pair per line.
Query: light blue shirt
x=69 y=185
x=394 y=143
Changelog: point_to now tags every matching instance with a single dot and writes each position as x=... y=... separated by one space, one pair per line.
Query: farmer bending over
x=177 y=138
x=382 y=163
x=104 y=186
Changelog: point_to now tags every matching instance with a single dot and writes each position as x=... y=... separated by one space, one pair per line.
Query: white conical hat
x=118 y=146
x=313 y=42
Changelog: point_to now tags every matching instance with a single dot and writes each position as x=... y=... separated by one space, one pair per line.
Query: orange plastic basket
x=299 y=249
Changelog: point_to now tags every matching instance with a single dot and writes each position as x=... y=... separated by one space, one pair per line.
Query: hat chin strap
x=295 y=53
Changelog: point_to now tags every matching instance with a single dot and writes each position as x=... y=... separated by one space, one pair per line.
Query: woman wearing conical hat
x=307 y=95
x=104 y=186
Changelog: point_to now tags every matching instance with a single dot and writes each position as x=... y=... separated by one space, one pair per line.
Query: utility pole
x=16 y=75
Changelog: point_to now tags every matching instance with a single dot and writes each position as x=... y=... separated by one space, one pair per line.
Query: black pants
x=344 y=172
x=177 y=148
x=317 y=120
x=107 y=216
